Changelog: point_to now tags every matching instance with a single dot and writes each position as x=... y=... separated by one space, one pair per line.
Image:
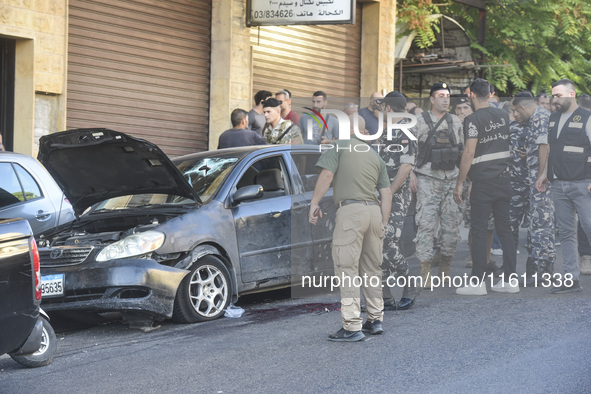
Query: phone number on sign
x=272 y=14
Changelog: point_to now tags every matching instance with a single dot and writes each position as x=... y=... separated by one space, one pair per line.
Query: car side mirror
x=251 y=192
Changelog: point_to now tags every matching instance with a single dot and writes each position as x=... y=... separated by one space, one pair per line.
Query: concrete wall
x=40 y=30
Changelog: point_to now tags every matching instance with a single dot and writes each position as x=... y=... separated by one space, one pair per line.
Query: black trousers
x=494 y=194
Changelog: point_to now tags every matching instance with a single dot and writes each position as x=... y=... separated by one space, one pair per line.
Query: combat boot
x=426 y=273
x=444 y=266
x=586 y=265
x=389 y=302
x=409 y=295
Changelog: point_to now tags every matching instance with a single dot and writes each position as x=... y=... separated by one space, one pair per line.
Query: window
x=16 y=185
x=306 y=165
x=270 y=174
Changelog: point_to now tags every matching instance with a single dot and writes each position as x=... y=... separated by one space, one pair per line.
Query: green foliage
x=541 y=40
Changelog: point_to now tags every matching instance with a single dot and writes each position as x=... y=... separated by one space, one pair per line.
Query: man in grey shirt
x=256 y=119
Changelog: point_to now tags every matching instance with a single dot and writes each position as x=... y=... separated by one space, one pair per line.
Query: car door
x=321 y=233
x=22 y=197
x=263 y=226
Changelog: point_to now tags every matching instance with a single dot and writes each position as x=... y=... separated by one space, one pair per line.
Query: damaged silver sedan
x=178 y=239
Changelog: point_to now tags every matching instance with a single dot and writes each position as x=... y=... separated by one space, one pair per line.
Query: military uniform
x=436 y=183
x=541 y=230
x=283 y=134
x=394 y=264
x=520 y=180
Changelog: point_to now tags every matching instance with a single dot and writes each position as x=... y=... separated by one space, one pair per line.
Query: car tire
x=45 y=354
x=204 y=293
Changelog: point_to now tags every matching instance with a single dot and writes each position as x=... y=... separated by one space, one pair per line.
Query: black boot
x=409 y=295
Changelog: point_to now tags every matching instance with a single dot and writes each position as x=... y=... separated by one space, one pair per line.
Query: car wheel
x=204 y=293
x=46 y=351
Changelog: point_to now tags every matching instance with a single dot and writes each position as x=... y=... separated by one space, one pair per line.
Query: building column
x=378 y=42
x=231 y=66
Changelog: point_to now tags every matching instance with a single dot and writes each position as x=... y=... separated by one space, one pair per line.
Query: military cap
x=439 y=86
x=271 y=102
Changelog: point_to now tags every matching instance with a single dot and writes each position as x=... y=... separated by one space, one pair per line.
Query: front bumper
x=117 y=285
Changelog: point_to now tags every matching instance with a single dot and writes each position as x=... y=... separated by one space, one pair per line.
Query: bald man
x=371 y=112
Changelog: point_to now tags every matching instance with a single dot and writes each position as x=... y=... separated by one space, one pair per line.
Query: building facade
x=171 y=72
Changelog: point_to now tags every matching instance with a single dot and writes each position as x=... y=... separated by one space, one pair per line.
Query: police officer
x=357 y=171
x=441 y=142
x=399 y=155
x=541 y=229
x=486 y=160
x=569 y=169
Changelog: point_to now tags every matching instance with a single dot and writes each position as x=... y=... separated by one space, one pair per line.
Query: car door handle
x=42 y=215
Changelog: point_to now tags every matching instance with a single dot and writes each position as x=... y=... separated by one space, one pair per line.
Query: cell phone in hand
x=317 y=212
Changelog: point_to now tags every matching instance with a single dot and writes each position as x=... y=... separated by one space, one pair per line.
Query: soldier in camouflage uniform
x=399 y=161
x=541 y=231
x=278 y=130
x=441 y=141
x=520 y=181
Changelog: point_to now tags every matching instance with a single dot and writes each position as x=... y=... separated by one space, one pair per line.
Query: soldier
x=541 y=230
x=520 y=182
x=441 y=140
x=278 y=130
x=398 y=164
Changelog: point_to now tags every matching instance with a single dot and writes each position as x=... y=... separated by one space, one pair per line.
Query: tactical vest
x=445 y=150
x=570 y=152
x=492 y=155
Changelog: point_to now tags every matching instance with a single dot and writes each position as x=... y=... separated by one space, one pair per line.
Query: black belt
x=348 y=202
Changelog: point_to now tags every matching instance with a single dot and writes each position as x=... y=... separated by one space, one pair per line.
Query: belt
x=348 y=202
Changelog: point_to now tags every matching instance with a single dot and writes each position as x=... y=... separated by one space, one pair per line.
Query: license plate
x=52 y=285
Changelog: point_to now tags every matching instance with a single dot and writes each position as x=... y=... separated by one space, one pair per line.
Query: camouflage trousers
x=394 y=264
x=438 y=215
x=541 y=231
x=519 y=209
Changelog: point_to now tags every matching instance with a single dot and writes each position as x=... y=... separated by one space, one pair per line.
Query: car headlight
x=134 y=245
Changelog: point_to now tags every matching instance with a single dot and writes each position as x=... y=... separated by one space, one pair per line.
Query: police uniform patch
x=577 y=118
x=472 y=130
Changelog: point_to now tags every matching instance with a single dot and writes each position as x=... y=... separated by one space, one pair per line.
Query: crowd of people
x=499 y=165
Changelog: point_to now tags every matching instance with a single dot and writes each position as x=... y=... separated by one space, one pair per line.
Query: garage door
x=141 y=67
x=304 y=59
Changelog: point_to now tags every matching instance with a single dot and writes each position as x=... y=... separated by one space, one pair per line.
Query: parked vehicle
x=24 y=334
x=178 y=241
x=27 y=191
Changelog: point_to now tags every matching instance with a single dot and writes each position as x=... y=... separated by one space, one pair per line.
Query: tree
x=541 y=40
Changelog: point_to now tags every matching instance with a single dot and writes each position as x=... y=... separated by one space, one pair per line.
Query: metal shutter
x=304 y=59
x=141 y=67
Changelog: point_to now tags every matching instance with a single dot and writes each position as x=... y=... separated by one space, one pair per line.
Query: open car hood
x=92 y=165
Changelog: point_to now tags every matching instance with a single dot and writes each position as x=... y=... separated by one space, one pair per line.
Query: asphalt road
x=531 y=342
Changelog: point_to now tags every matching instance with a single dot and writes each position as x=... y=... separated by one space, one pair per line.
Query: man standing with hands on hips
x=357 y=171
x=486 y=160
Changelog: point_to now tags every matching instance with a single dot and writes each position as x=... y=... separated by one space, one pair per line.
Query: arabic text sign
x=294 y=12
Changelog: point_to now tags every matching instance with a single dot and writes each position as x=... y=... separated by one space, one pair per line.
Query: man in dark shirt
x=485 y=160
x=239 y=134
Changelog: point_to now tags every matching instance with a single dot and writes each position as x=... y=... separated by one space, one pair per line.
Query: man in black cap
x=278 y=130
x=441 y=141
x=239 y=134
x=399 y=155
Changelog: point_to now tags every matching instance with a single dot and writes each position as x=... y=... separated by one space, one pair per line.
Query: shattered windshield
x=206 y=174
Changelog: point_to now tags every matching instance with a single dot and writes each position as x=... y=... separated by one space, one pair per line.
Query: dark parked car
x=27 y=191
x=178 y=240
x=25 y=334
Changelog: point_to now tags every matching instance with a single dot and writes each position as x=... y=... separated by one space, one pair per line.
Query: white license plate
x=52 y=285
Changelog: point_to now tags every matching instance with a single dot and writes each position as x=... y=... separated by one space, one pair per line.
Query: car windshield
x=205 y=174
